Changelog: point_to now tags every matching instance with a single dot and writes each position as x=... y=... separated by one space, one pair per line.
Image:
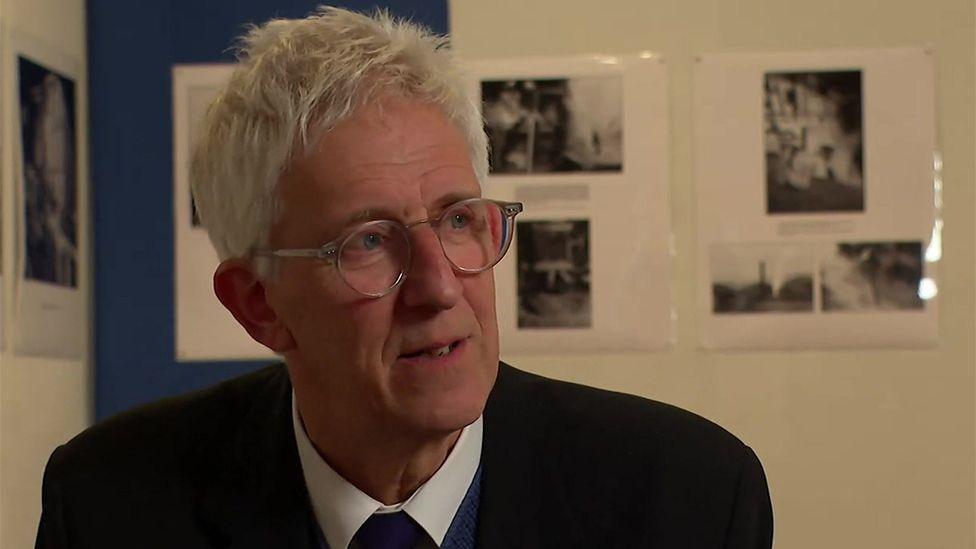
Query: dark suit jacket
x=563 y=466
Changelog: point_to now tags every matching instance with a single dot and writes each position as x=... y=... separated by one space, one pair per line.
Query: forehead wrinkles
x=414 y=164
x=393 y=147
x=409 y=132
x=399 y=140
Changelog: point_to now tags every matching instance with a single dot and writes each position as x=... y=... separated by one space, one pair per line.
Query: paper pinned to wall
x=582 y=141
x=49 y=318
x=818 y=224
x=204 y=329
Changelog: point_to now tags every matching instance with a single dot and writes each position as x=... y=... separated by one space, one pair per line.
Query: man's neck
x=387 y=466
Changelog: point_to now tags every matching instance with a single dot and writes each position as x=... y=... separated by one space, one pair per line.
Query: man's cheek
x=371 y=327
x=481 y=298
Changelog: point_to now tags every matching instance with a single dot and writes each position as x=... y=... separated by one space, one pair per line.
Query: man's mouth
x=433 y=352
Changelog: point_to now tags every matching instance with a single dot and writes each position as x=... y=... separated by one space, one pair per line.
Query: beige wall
x=871 y=448
x=43 y=402
x=862 y=448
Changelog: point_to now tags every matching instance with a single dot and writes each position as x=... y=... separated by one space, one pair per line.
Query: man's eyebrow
x=450 y=198
x=370 y=214
x=364 y=215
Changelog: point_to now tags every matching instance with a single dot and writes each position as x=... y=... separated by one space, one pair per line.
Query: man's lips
x=434 y=350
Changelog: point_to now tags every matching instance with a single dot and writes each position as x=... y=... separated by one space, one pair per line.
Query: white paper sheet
x=43 y=91
x=583 y=142
x=817 y=218
x=205 y=330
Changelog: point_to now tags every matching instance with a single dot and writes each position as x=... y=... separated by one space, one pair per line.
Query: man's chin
x=447 y=401
x=443 y=419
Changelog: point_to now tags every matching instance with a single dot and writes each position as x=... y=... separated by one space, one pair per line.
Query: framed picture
x=47 y=157
x=204 y=329
x=582 y=142
x=817 y=218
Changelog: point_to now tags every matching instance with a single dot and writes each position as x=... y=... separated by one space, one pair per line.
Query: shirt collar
x=340 y=508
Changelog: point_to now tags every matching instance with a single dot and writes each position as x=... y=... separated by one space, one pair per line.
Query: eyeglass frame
x=329 y=252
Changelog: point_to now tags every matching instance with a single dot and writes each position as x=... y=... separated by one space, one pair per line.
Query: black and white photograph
x=554 y=125
x=873 y=276
x=813 y=138
x=583 y=141
x=761 y=278
x=554 y=274
x=47 y=109
x=828 y=154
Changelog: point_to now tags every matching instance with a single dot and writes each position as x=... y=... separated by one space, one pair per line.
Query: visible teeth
x=440 y=352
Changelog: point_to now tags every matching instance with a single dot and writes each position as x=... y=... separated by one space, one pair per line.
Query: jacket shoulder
x=601 y=468
x=573 y=412
x=149 y=440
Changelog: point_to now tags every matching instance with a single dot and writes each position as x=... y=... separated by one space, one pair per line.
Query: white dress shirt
x=340 y=508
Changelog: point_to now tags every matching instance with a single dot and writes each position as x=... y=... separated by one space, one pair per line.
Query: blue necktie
x=388 y=531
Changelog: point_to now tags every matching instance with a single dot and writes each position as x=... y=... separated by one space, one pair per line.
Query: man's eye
x=371 y=241
x=460 y=221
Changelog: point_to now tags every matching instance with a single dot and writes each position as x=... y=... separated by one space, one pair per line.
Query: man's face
x=369 y=362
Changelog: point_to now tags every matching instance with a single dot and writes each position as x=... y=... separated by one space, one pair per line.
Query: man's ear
x=243 y=294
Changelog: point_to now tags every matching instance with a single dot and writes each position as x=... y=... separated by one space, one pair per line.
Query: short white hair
x=295 y=80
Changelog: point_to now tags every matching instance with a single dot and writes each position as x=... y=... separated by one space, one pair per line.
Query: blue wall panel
x=132 y=47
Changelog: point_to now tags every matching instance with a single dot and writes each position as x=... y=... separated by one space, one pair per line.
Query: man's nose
x=431 y=280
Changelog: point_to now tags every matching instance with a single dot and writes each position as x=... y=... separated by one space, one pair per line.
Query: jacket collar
x=511 y=503
x=252 y=491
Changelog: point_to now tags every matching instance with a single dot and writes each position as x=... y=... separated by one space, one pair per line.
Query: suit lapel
x=526 y=499
x=253 y=491
x=511 y=503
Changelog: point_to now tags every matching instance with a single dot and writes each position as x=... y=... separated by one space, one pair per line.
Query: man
x=339 y=176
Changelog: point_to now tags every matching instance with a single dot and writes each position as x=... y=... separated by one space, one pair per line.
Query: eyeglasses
x=374 y=257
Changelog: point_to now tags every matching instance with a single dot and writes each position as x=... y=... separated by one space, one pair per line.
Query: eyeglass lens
x=472 y=234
